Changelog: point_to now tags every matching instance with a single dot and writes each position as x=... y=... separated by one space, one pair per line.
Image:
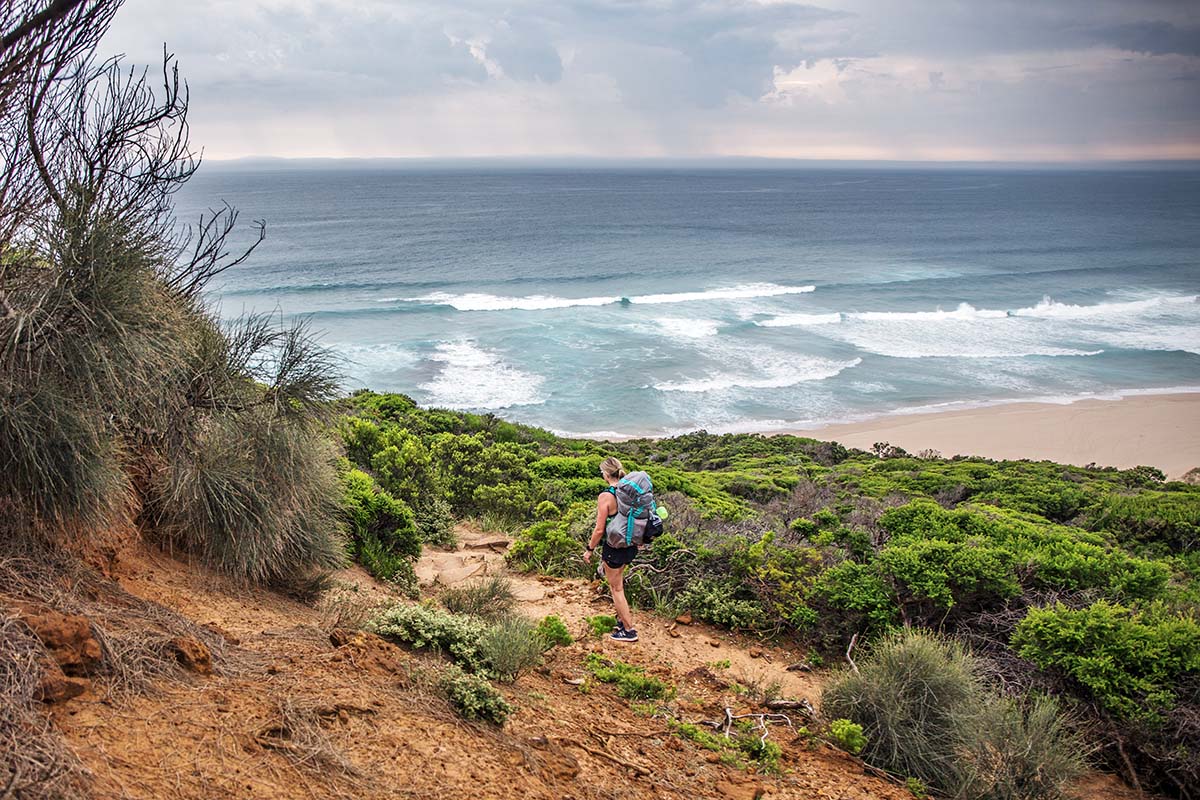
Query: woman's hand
x=587 y=556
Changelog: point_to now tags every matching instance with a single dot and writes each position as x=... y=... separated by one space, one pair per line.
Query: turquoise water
x=624 y=302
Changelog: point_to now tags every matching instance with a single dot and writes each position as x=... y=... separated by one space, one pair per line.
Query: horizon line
x=712 y=161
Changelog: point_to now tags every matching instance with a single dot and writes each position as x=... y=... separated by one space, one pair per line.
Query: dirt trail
x=291 y=714
x=662 y=641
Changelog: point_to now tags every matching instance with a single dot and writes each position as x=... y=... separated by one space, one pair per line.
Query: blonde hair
x=612 y=467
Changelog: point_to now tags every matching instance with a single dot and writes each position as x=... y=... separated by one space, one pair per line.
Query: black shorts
x=618 y=556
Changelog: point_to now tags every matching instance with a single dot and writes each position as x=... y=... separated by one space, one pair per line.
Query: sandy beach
x=1157 y=430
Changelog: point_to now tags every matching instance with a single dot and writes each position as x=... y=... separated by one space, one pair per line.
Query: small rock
x=712 y=758
x=803 y=666
x=489 y=543
x=713 y=643
x=573 y=681
x=756 y=652
x=673 y=633
x=191 y=654
x=684 y=619
x=56 y=687
x=68 y=637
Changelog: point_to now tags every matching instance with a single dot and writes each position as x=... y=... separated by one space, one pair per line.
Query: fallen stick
x=638 y=768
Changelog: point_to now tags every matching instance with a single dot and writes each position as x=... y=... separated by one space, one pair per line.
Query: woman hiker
x=615 y=558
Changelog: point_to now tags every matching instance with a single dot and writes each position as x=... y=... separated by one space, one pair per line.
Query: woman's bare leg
x=616 y=582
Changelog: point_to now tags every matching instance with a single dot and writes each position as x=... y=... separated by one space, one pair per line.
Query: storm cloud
x=937 y=79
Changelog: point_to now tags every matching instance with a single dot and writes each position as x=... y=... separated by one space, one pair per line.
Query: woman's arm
x=604 y=509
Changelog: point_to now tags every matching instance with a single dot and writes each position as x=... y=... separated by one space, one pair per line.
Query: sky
x=926 y=80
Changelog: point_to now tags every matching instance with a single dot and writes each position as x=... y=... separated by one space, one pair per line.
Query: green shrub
x=486 y=598
x=435 y=523
x=847 y=735
x=631 y=681
x=717 y=601
x=554 y=632
x=1128 y=661
x=383 y=532
x=421 y=626
x=924 y=713
x=547 y=510
x=555 y=547
x=510 y=646
x=601 y=624
x=473 y=697
x=1010 y=753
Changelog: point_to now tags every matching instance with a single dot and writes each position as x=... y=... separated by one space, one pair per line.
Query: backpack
x=635 y=522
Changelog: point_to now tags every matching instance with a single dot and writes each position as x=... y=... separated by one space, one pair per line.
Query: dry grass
x=35 y=762
x=135 y=635
x=296 y=732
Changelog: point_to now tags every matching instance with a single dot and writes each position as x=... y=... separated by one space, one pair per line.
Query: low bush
x=554 y=632
x=555 y=547
x=473 y=697
x=1013 y=753
x=500 y=650
x=511 y=646
x=1129 y=661
x=601 y=624
x=925 y=713
x=487 y=598
x=631 y=681
x=435 y=523
x=421 y=626
x=383 y=534
x=847 y=735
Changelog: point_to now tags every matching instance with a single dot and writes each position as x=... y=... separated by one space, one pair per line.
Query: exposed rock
x=450 y=577
x=684 y=619
x=68 y=638
x=192 y=654
x=56 y=687
x=713 y=643
x=756 y=652
x=497 y=543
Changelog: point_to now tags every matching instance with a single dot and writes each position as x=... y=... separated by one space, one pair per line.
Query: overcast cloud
x=875 y=79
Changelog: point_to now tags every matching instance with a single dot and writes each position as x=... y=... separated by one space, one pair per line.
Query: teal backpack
x=636 y=522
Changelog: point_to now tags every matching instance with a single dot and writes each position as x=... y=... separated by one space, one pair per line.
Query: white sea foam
x=474 y=378
x=796 y=369
x=742 y=292
x=796 y=320
x=377 y=357
x=686 y=328
x=1049 y=328
x=491 y=302
x=965 y=311
x=1051 y=309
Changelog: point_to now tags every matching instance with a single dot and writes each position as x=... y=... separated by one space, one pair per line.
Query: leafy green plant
x=631 y=681
x=554 y=632
x=1129 y=661
x=847 y=735
x=422 y=626
x=473 y=697
x=601 y=624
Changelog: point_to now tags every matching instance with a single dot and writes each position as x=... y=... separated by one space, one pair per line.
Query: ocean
x=617 y=302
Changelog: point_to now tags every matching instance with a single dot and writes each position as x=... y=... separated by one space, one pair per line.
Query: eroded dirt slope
x=295 y=712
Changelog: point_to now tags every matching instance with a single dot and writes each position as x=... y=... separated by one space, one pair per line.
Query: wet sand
x=1156 y=430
